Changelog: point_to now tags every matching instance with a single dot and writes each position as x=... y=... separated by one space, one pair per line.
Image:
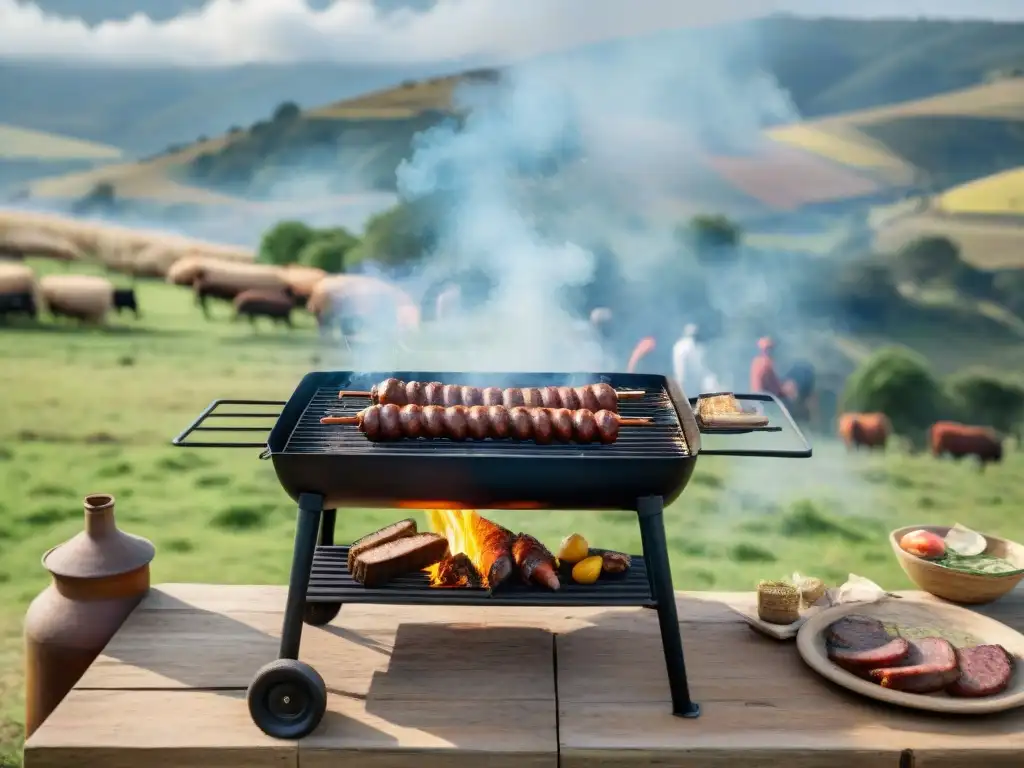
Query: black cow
x=276 y=305
x=18 y=303
x=124 y=298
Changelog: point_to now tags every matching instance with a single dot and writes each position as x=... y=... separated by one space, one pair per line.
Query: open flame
x=482 y=553
x=464 y=564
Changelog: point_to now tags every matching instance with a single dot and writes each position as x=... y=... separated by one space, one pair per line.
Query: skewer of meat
x=593 y=397
x=388 y=423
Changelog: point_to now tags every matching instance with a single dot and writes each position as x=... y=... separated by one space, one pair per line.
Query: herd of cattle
x=253 y=290
x=945 y=438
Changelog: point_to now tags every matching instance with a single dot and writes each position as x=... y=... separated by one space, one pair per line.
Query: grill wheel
x=287 y=699
x=319 y=614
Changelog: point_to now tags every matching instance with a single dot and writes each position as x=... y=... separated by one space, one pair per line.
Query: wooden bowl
x=956 y=586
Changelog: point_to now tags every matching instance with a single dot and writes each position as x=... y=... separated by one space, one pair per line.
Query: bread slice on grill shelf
x=379 y=565
x=725 y=411
x=399 y=530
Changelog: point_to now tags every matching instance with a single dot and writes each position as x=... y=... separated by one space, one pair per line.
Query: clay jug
x=99 y=576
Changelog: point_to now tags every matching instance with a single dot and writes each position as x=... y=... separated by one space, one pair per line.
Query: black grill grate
x=330 y=582
x=663 y=439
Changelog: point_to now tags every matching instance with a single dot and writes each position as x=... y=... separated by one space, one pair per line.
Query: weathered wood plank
x=155 y=729
x=759 y=702
x=442 y=733
x=691 y=606
x=200 y=650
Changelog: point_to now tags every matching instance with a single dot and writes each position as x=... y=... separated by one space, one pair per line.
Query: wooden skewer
x=354 y=420
x=623 y=394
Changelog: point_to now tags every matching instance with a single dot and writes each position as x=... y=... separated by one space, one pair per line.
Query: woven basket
x=811 y=591
x=778 y=602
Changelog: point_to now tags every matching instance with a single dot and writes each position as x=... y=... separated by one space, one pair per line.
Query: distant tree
x=988 y=399
x=286 y=112
x=328 y=250
x=400 y=235
x=102 y=196
x=1008 y=285
x=202 y=138
x=927 y=260
x=899 y=383
x=861 y=292
x=712 y=238
x=234 y=129
x=283 y=242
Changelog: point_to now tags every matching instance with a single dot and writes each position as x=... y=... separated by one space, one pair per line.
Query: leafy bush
x=987 y=399
x=287 y=111
x=283 y=242
x=328 y=250
x=897 y=382
x=863 y=294
x=928 y=260
x=936 y=260
x=711 y=237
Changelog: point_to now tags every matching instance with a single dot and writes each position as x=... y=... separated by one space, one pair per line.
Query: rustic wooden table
x=522 y=688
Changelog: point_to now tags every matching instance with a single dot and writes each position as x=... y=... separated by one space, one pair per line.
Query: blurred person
x=762 y=373
x=689 y=365
x=643 y=349
x=448 y=303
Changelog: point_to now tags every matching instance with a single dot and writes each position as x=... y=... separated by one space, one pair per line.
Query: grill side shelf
x=330 y=582
x=786 y=425
x=229 y=409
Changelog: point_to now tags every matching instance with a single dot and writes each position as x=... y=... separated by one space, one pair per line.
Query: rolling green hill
x=827 y=66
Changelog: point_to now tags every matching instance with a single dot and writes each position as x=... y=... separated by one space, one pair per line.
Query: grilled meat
x=379 y=565
x=929 y=666
x=388 y=423
x=985 y=670
x=399 y=530
x=536 y=564
x=593 y=397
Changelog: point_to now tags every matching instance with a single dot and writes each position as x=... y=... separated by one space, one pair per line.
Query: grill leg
x=298 y=582
x=327 y=528
x=652 y=533
x=319 y=614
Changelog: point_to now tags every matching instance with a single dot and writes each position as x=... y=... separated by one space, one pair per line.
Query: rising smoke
x=592 y=135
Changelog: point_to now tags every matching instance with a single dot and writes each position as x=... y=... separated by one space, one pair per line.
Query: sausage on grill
x=385 y=423
x=592 y=397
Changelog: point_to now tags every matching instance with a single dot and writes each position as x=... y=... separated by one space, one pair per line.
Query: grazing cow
x=865 y=430
x=256 y=302
x=124 y=298
x=959 y=440
x=205 y=289
x=18 y=303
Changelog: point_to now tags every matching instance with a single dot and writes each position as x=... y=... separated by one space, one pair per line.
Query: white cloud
x=248 y=31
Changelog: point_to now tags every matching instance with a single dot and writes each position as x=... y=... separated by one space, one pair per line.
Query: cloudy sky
x=244 y=31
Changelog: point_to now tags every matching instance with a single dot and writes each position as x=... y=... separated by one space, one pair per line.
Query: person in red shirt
x=762 y=373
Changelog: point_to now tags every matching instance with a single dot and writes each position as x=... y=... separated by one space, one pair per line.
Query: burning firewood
x=457 y=571
x=536 y=564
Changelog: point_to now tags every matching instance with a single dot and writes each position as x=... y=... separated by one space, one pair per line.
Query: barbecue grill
x=325 y=467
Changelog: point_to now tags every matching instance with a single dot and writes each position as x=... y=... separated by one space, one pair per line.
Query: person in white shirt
x=689 y=368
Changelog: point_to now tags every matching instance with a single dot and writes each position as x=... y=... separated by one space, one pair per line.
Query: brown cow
x=865 y=430
x=959 y=440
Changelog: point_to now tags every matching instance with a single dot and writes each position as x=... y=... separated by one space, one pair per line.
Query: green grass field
x=88 y=411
